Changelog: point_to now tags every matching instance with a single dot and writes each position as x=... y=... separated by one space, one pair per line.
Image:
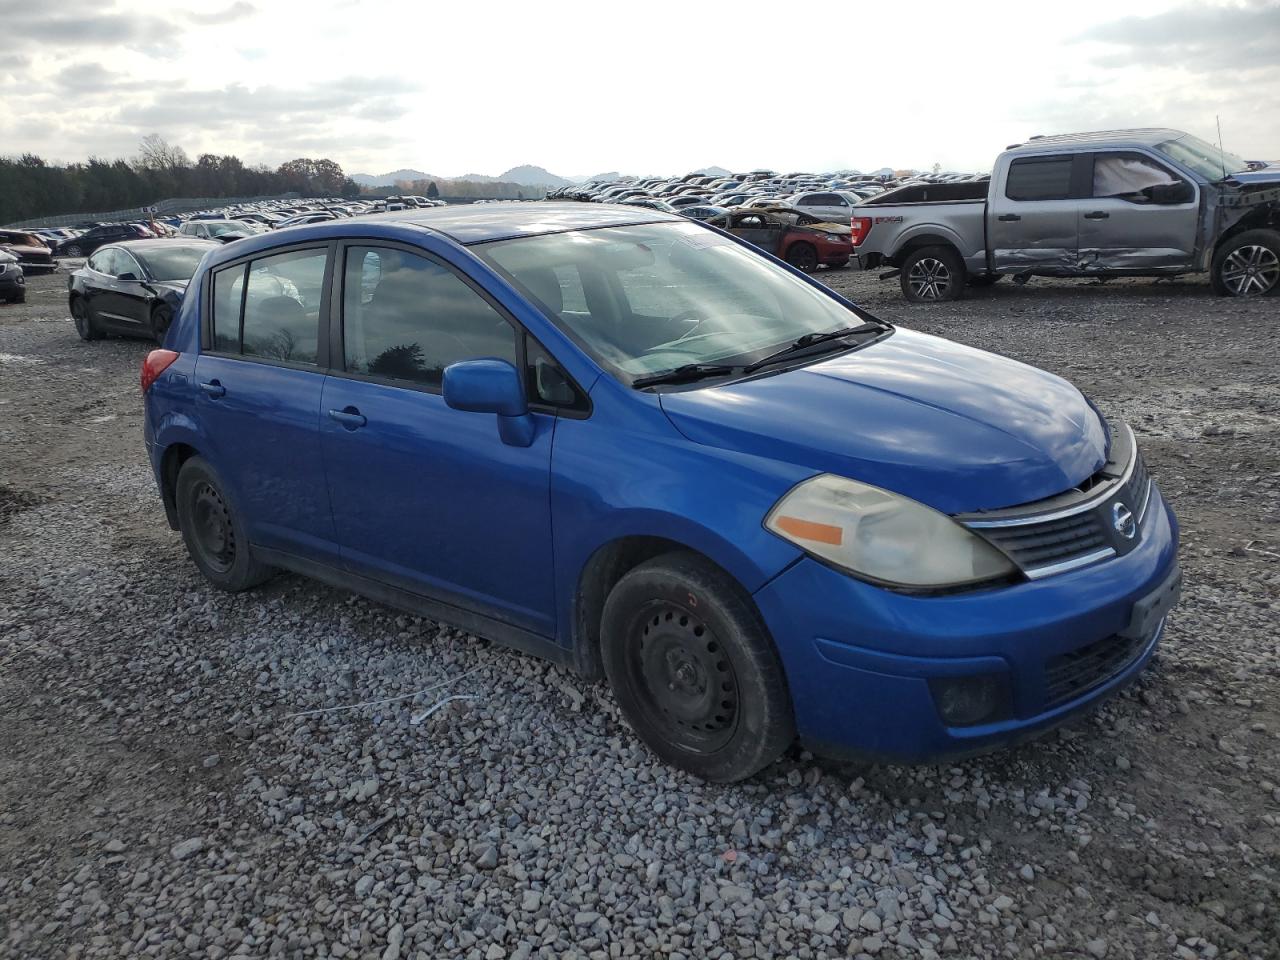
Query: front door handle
x=1008 y=217
x=1097 y=215
x=214 y=389
x=349 y=417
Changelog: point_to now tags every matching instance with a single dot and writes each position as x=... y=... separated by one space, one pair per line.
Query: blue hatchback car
x=641 y=448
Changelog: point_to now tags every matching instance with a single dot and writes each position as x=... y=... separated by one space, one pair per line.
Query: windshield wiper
x=802 y=344
x=686 y=374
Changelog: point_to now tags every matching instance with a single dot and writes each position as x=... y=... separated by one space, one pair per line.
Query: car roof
x=479 y=223
x=1141 y=137
x=161 y=243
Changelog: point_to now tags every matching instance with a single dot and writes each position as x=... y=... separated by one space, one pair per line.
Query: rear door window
x=406 y=317
x=1039 y=178
x=270 y=308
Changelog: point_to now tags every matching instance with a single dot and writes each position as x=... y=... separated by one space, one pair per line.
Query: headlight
x=882 y=536
x=836 y=237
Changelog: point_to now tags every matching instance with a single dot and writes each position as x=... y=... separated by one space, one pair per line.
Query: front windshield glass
x=650 y=298
x=174 y=261
x=1204 y=158
x=217 y=228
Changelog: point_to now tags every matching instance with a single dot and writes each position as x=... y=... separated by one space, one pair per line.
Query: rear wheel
x=803 y=256
x=693 y=669
x=932 y=273
x=161 y=318
x=1248 y=265
x=83 y=319
x=213 y=531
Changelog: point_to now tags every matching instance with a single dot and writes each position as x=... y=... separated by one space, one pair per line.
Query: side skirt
x=488 y=627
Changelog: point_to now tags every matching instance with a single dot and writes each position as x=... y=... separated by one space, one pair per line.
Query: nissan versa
x=636 y=446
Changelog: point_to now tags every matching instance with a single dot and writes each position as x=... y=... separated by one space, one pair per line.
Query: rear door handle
x=1008 y=217
x=214 y=389
x=349 y=417
x=1097 y=215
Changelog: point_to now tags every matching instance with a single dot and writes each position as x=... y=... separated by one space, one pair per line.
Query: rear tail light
x=156 y=363
x=860 y=226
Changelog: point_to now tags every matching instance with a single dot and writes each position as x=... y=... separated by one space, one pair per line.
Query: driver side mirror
x=491 y=386
x=1169 y=193
x=129 y=277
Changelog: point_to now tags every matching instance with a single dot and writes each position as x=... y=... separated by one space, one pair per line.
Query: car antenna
x=1222 y=156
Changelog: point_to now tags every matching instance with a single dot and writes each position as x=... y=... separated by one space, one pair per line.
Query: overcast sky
x=659 y=87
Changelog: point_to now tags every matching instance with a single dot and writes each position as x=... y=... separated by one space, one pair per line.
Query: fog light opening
x=969 y=701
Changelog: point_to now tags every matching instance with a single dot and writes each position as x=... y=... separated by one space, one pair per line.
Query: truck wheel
x=694 y=670
x=932 y=273
x=1248 y=265
x=803 y=256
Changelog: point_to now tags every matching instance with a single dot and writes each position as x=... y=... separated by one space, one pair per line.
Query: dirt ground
x=158 y=798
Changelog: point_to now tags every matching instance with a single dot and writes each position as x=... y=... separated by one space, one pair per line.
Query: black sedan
x=134 y=287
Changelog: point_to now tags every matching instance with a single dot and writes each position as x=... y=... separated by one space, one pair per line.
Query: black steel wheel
x=694 y=670
x=803 y=256
x=1248 y=265
x=932 y=274
x=213 y=532
x=83 y=319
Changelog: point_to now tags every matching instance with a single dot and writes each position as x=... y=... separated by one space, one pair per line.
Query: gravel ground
x=178 y=776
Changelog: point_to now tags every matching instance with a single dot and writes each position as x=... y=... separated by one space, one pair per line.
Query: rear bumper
x=859 y=659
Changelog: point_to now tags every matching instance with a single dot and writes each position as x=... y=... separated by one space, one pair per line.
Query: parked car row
x=829 y=197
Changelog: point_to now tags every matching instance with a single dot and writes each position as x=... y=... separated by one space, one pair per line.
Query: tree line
x=30 y=187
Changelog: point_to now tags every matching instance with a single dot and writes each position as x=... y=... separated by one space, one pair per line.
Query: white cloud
x=667 y=87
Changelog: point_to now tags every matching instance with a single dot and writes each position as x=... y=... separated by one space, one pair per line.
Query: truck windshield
x=1204 y=158
x=655 y=297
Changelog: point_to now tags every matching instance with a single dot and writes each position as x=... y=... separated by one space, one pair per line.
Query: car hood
x=953 y=427
x=1263 y=176
x=178 y=287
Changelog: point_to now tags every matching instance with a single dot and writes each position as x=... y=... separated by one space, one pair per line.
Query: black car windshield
x=652 y=298
x=175 y=261
x=1204 y=158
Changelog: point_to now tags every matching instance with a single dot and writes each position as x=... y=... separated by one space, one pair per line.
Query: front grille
x=1074 y=674
x=1035 y=545
x=1076 y=527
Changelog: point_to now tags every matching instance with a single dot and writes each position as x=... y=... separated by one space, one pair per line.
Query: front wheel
x=803 y=256
x=213 y=530
x=1248 y=265
x=931 y=274
x=73 y=251
x=694 y=670
x=83 y=319
x=161 y=318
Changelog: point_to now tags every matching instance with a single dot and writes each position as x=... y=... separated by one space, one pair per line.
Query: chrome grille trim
x=1108 y=491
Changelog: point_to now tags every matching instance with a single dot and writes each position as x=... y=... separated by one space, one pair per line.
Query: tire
x=214 y=531
x=1248 y=265
x=694 y=670
x=83 y=318
x=73 y=251
x=803 y=256
x=931 y=274
x=161 y=318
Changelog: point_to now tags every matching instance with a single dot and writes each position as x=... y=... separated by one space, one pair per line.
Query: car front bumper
x=860 y=659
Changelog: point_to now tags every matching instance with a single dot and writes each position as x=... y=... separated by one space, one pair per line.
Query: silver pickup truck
x=1120 y=203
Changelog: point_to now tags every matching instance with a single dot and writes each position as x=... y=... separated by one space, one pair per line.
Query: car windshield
x=175 y=262
x=652 y=298
x=1204 y=158
x=218 y=227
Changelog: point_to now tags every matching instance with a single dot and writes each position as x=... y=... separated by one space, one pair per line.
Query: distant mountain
x=530 y=176
x=713 y=172
x=389 y=179
x=526 y=175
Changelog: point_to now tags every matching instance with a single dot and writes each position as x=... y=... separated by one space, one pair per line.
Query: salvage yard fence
x=161 y=208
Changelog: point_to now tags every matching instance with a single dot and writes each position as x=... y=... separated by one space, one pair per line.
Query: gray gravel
x=182 y=775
